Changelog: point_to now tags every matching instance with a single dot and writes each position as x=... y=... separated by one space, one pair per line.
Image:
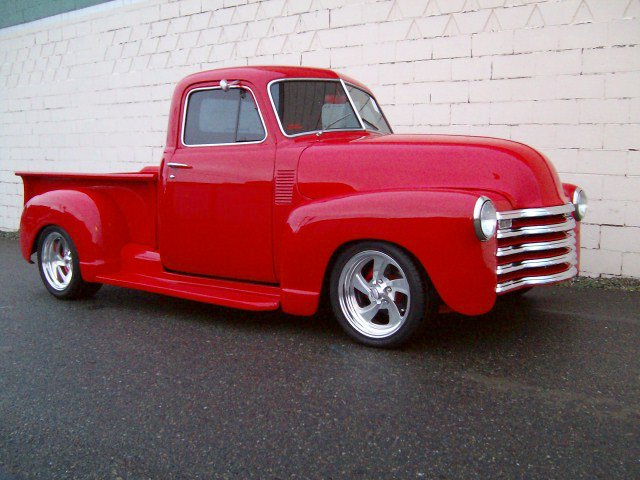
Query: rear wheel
x=379 y=295
x=60 y=267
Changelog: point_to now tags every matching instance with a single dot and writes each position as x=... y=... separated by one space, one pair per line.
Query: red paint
x=222 y=204
x=255 y=226
x=513 y=170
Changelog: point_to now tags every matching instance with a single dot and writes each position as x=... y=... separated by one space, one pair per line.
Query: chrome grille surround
x=538 y=246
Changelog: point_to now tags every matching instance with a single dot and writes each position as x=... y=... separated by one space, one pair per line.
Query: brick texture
x=90 y=90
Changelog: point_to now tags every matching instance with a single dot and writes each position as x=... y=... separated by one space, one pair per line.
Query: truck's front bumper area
x=536 y=246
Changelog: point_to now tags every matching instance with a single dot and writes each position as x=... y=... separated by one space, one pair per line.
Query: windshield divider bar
x=353 y=105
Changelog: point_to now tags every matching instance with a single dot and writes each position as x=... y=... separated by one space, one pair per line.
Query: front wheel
x=60 y=267
x=379 y=295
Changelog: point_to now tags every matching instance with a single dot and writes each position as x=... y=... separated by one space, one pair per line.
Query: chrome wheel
x=57 y=261
x=374 y=294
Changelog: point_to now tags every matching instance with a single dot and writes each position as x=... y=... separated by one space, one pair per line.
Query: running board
x=142 y=270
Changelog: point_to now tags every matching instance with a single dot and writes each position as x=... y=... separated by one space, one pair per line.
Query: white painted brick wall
x=90 y=90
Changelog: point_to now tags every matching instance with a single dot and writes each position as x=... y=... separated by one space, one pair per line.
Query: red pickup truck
x=282 y=186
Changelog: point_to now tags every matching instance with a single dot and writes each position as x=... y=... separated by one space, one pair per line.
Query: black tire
x=421 y=302
x=75 y=287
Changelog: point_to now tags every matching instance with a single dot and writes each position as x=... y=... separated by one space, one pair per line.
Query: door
x=216 y=205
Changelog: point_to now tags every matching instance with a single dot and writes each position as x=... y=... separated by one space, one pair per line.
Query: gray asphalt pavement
x=131 y=385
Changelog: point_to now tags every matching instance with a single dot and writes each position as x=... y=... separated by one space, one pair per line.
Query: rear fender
x=435 y=226
x=91 y=218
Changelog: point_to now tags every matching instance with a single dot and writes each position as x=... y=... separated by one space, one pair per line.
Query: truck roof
x=260 y=76
x=264 y=74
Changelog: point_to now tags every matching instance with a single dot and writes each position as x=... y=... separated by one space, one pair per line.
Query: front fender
x=435 y=226
x=92 y=220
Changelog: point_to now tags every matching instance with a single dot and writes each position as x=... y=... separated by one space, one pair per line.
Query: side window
x=250 y=127
x=215 y=116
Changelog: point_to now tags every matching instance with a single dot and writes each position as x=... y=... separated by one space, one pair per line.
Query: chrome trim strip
x=568 y=224
x=530 y=281
x=570 y=241
x=311 y=132
x=536 y=212
x=569 y=257
x=184 y=119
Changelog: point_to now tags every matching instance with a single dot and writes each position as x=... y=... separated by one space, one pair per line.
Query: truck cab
x=281 y=187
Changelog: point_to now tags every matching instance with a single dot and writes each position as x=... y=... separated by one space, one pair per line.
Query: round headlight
x=579 y=201
x=484 y=219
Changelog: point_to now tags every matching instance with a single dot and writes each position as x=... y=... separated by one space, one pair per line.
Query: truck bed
x=133 y=194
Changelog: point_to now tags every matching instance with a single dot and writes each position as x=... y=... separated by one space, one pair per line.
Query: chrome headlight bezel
x=485 y=219
x=580 y=203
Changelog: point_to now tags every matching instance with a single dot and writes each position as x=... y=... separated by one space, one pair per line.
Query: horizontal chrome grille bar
x=547 y=233
x=569 y=258
x=568 y=242
x=568 y=224
x=536 y=280
x=536 y=212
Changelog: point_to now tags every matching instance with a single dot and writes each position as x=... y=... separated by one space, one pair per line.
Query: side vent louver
x=284 y=186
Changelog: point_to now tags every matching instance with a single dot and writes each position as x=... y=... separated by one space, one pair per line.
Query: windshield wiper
x=335 y=121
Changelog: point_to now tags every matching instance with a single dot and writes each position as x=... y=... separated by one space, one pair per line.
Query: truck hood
x=343 y=165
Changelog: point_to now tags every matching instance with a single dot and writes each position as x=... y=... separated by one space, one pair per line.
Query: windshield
x=368 y=110
x=305 y=106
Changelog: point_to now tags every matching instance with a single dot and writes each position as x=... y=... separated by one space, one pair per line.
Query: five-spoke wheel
x=57 y=264
x=378 y=294
x=60 y=267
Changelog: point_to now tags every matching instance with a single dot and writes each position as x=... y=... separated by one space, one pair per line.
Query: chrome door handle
x=178 y=165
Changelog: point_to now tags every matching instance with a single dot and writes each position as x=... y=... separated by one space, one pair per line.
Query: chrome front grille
x=535 y=246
